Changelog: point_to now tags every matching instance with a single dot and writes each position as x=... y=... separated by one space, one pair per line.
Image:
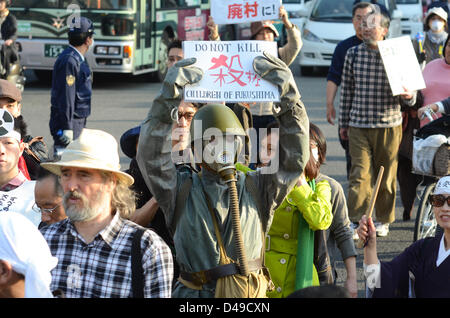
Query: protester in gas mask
x=197 y=204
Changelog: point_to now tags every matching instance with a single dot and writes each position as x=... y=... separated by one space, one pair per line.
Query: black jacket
x=9 y=28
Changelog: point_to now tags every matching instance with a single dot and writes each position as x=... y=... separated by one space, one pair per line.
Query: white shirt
x=81 y=55
x=442 y=255
x=21 y=200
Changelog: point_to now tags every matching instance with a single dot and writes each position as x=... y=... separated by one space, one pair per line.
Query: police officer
x=71 y=87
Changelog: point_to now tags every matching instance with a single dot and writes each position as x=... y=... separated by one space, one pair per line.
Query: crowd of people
x=189 y=218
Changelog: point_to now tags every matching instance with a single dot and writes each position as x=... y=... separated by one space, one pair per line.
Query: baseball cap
x=8 y=89
x=84 y=25
x=257 y=26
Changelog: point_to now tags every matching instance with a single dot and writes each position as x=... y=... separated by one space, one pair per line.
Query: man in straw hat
x=94 y=244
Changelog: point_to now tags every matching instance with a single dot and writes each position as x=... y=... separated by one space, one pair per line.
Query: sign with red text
x=240 y=11
x=228 y=74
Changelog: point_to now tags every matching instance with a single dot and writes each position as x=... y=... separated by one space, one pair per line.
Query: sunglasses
x=438 y=200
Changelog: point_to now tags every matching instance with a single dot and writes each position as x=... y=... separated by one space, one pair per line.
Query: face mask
x=315 y=153
x=436 y=25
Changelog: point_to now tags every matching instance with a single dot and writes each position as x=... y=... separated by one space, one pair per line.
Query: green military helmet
x=216 y=116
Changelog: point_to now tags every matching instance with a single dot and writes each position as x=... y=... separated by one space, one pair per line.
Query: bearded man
x=95 y=244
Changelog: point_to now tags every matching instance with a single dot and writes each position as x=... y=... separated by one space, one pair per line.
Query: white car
x=295 y=8
x=412 y=20
x=328 y=23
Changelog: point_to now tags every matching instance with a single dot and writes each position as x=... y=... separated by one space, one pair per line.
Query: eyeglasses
x=438 y=200
x=37 y=209
x=187 y=116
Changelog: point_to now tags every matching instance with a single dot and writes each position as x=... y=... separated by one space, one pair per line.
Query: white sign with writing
x=240 y=11
x=228 y=74
x=401 y=65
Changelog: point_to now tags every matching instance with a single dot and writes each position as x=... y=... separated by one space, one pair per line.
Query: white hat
x=24 y=247
x=437 y=11
x=442 y=186
x=93 y=149
x=7 y=126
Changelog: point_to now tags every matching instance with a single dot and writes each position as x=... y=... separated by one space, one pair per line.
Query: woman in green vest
x=307 y=208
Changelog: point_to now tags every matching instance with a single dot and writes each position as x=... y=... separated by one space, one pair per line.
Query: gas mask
x=220 y=153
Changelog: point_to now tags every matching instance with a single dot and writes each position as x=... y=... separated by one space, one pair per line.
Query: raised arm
x=155 y=145
x=276 y=182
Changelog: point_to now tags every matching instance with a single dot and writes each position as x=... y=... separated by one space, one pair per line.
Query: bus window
x=116 y=25
x=169 y=3
x=100 y=4
x=35 y=3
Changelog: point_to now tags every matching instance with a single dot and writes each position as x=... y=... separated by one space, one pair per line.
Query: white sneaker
x=382 y=229
x=354 y=226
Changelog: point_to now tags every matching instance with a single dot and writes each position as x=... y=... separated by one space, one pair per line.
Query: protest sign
x=228 y=73
x=240 y=11
x=401 y=65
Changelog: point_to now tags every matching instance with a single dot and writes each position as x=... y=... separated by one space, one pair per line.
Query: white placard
x=401 y=65
x=240 y=11
x=228 y=74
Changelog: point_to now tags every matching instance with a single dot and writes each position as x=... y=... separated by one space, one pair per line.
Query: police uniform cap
x=84 y=26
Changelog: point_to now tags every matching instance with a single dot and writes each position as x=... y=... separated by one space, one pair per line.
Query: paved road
x=121 y=102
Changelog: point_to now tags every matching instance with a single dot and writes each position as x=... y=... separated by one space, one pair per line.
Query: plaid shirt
x=102 y=268
x=366 y=96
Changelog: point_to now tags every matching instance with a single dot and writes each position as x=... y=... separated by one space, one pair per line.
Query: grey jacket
x=195 y=240
x=340 y=236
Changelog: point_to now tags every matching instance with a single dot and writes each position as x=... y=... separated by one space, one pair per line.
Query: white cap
x=443 y=186
x=437 y=11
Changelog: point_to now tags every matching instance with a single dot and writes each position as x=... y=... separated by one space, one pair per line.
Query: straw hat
x=93 y=149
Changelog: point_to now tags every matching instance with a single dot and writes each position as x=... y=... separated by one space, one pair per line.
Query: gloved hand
x=178 y=76
x=274 y=70
x=171 y=94
x=66 y=137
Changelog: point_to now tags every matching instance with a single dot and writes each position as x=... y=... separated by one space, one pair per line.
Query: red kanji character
x=231 y=71
x=257 y=78
x=251 y=9
x=235 y=11
x=250 y=75
x=220 y=77
x=218 y=62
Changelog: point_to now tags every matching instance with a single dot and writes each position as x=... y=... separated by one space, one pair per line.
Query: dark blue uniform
x=71 y=94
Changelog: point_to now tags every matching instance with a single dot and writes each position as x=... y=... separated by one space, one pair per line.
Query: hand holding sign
x=277 y=72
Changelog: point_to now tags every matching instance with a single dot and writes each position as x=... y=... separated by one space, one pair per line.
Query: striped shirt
x=102 y=268
x=366 y=96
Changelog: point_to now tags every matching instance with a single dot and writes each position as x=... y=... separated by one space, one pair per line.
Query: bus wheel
x=162 y=58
